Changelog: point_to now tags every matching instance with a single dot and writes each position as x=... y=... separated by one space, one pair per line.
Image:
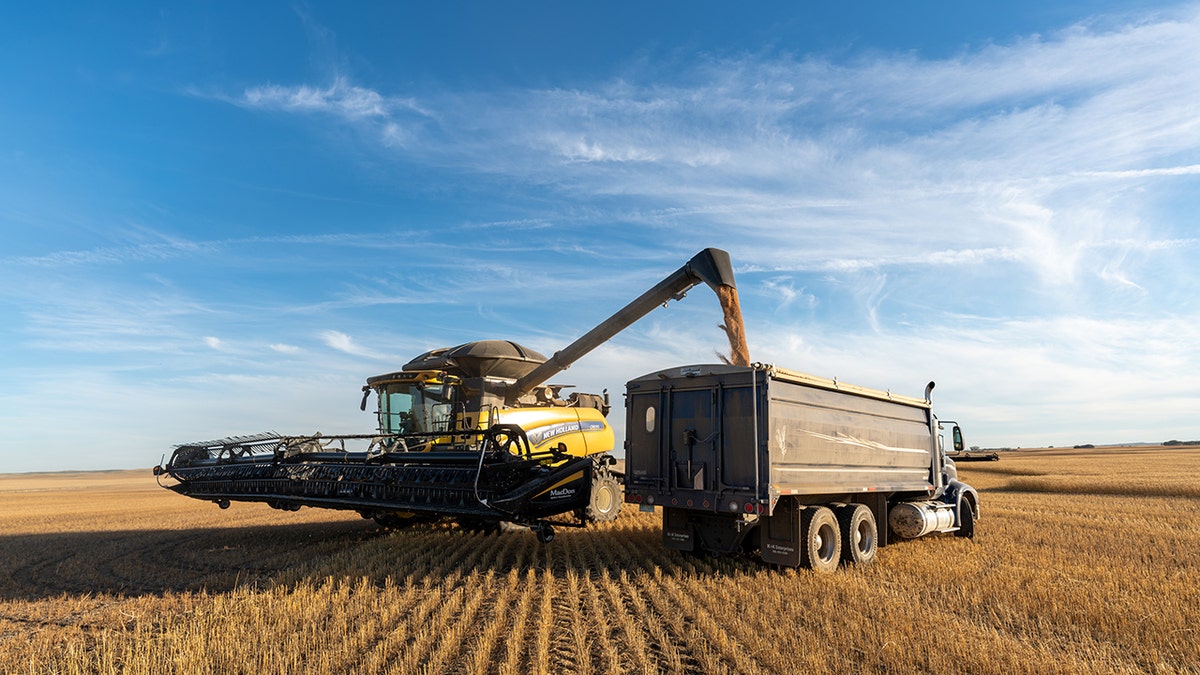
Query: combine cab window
x=415 y=408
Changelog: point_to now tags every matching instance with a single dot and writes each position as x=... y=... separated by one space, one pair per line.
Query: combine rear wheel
x=605 y=503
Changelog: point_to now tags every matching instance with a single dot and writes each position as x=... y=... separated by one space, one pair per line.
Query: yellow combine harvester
x=469 y=432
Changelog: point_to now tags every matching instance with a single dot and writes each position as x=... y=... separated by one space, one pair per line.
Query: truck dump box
x=722 y=435
x=726 y=448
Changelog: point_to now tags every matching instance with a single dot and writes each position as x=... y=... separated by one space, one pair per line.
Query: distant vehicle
x=960 y=453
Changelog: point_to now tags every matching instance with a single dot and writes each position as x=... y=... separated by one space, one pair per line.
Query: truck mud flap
x=689 y=530
x=780 y=541
x=677 y=530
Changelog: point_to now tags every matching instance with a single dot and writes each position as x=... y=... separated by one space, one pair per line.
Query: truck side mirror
x=958 y=439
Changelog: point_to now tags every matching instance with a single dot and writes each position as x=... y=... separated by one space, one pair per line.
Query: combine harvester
x=470 y=432
x=742 y=457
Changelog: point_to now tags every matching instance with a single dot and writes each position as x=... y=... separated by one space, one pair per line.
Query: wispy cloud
x=340 y=98
x=344 y=343
x=395 y=120
x=787 y=292
x=113 y=254
x=1190 y=170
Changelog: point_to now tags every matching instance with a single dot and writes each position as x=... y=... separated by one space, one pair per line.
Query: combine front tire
x=605 y=502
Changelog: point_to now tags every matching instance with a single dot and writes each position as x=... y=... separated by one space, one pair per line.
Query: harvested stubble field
x=1085 y=561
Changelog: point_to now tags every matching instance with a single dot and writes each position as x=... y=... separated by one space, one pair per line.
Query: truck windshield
x=415 y=407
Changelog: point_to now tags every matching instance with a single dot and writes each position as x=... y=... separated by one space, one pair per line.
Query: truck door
x=738 y=442
x=643 y=451
x=693 y=439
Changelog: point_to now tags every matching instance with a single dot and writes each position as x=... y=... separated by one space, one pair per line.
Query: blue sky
x=217 y=219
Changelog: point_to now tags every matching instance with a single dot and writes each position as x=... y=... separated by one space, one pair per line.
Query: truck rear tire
x=822 y=539
x=860 y=534
x=604 y=505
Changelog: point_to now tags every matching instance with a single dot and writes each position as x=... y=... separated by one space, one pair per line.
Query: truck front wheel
x=966 y=519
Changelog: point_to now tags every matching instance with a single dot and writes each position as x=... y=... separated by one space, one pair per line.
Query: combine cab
x=469 y=432
x=446 y=445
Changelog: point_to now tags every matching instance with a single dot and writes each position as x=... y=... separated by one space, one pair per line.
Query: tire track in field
x=487 y=557
x=568 y=651
x=677 y=586
x=604 y=651
x=758 y=638
x=483 y=628
x=711 y=632
x=686 y=581
x=515 y=646
x=427 y=583
x=479 y=656
x=395 y=599
x=410 y=640
x=433 y=657
x=545 y=616
x=482 y=593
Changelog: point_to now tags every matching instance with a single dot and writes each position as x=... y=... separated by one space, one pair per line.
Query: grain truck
x=806 y=471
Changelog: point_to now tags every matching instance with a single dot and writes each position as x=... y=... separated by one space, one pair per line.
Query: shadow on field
x=152 y=562
x=135 y=563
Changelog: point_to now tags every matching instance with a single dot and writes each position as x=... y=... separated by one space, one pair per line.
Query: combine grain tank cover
x=484 y=358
